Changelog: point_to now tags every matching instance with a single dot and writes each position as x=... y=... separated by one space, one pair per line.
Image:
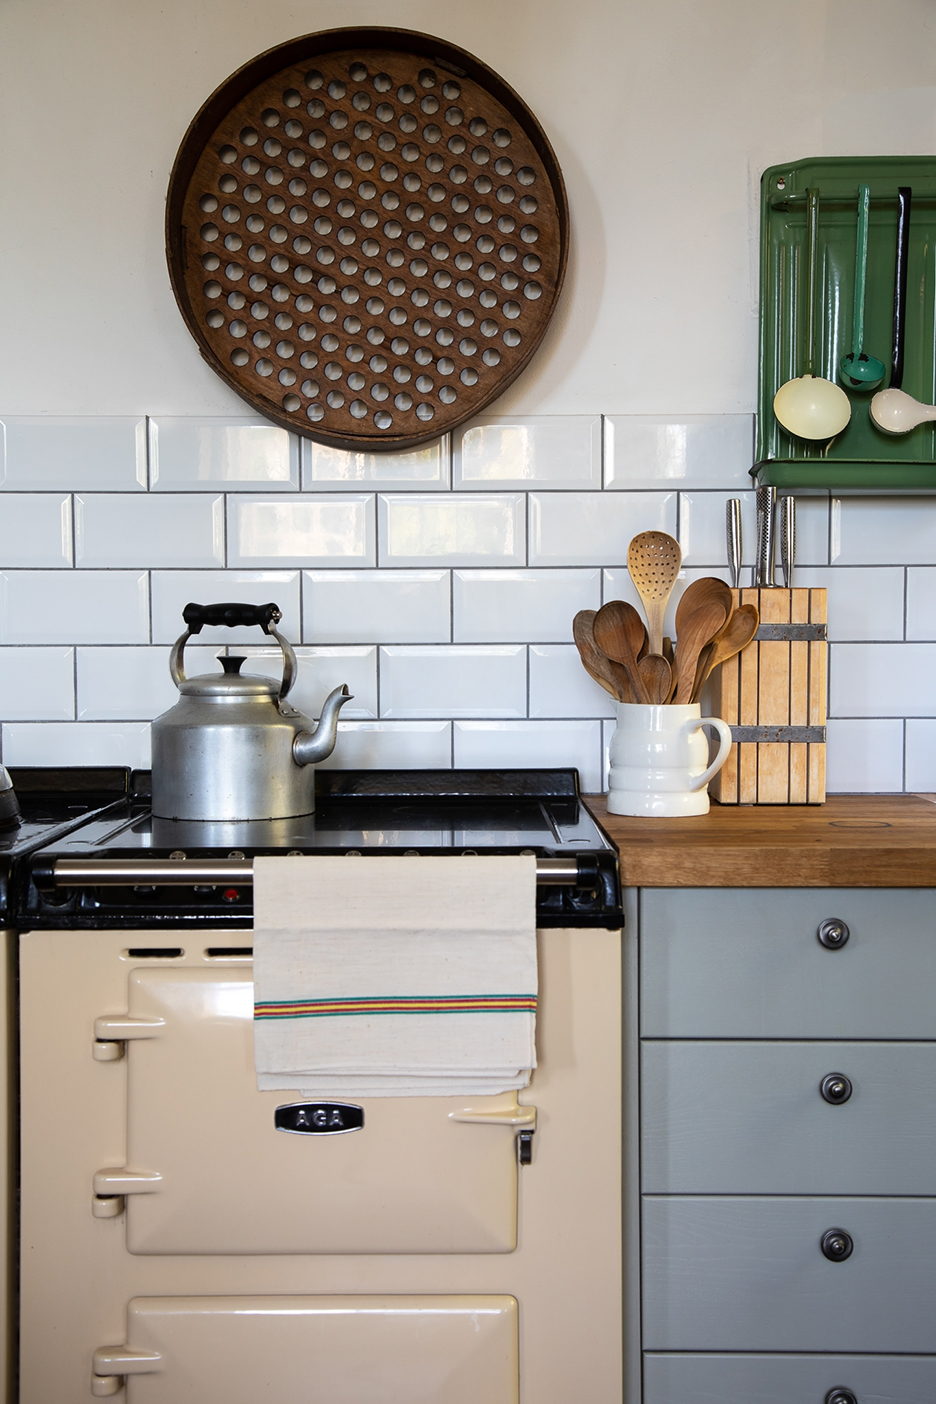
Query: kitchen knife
x=787 y=539
x=766 y=504
x=733 y=529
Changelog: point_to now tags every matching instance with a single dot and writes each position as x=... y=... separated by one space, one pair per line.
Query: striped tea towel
x=394 y=976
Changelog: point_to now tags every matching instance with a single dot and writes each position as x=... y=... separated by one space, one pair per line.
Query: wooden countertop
x=850 y=841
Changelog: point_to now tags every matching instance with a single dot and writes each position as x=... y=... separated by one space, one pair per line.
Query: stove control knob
x=835 y=1088
x=837 y=1245
x=841 y=1396
x=833 y=934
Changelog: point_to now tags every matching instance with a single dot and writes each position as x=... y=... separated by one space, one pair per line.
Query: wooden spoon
x=619 y=633
x=657 y=677
x=697 y=630
x=611 y=676
x=737 y=634
x=653 y=561
x=702 y=592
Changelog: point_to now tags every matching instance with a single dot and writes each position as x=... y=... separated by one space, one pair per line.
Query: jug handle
x=724 y=746
x=196 y=616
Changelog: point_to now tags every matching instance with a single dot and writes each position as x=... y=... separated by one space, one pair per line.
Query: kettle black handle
x=234 y=616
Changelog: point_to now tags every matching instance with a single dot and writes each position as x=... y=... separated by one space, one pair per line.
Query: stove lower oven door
x=177 y=1246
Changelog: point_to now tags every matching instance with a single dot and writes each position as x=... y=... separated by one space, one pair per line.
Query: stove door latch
x=524 y=1118
x=112 y=1031
x=112 y=1365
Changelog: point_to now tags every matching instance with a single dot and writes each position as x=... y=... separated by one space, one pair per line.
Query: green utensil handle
x=812 y=249
x=904 y=195
x=861 y=269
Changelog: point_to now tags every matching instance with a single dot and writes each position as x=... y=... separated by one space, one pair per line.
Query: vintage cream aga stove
x=186 y=1239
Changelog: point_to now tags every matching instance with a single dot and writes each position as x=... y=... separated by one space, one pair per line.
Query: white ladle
x=896 y=412
x=811 y=407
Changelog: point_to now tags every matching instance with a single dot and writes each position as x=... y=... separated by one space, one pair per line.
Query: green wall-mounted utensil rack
x=862 y=458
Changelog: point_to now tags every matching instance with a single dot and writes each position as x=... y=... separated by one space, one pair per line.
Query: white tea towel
x=394 y=976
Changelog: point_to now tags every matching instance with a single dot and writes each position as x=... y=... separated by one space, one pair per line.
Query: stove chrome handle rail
x=238 y=872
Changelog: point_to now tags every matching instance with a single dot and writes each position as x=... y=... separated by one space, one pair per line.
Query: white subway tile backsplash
x=74 y=607
x=320 y=671
x=92 y=453
x=386 y=745
x=461 y=530
x=921 y=754
x=380 y=606
x=882 y=680
x=423 y=468
x=494 y=745
x=560 y=686
x=864 y=603
x=558 y=451
x=313 y=531
x=883 y=531
x=37 y=684
x=702 y=529
x=698 y=450
x=115 y=529
x=173 y=589
x=453 y=681
x=36 y=529
x=864 y=756
x=132 y=684
x=517 y=606
x=594 y=528
x=921 y=590
x=195 y=455
x=77 y=743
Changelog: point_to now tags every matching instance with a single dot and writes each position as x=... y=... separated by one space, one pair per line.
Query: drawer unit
x=777 y=1118
x=747 y=963
x=788 y=1379
x=750 y=1274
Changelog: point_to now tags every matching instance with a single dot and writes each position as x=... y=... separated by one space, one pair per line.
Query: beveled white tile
x=77 y=743
x=698 y=450
x=594 y=528
x=452 y=530
x=559 y=451
x=173 y=589
x=560 y=686
x=36 y=530
x=515 y=606
x=921 y=616
x=453 y=681
x=921 y=755
x=192 y=455
x=74 y=606
x=882 y=680
x=306 y=530
x=320 y=671
x=865 y=603
x=383 y=745
x=115 y=529
x=132 y=684
x=864 y=757
x=380 y=606
x=493 y=745
x=72 y=453
x=883 y=531
x=423 y=468
x=37 y=684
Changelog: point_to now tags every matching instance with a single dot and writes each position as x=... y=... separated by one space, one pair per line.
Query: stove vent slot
x=155 y=952
x=229 y=952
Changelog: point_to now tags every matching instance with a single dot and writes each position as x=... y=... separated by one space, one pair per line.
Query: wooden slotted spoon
x=609 y=675
x=653 y=561
x=620 y=634
x=737 y=634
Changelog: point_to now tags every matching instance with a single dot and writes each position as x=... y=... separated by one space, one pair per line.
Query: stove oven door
x=214 y=1166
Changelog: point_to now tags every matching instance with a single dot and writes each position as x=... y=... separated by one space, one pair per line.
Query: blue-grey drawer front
x=748 y=1118
x=746 y=963
x=788 y=1379
x=748 y=1274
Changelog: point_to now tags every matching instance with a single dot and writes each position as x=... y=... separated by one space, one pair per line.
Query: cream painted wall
x=663 y=116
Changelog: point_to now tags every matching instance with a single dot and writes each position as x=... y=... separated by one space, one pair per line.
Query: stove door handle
x=112 y=1031
x=112 y=1364
x=497 y=1116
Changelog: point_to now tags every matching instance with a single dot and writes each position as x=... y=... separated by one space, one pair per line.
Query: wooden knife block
x=773 y=696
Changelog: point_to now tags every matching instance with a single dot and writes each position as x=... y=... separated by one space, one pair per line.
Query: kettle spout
x=312 y=746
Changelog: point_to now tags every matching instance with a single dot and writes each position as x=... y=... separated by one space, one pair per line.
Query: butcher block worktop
x=850 y=841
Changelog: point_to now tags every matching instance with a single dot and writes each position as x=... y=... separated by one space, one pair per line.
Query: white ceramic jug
x=659 y=760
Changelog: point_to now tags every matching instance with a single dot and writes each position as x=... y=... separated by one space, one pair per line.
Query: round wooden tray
x=367 y=233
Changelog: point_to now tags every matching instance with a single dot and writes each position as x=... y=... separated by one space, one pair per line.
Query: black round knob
x=835 y=1088
x=833 y=933
x=841 y=1396
x=837 y=1245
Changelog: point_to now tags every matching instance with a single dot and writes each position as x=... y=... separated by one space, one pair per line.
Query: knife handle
x=766 y=504
x=787 y=539
x=733 y=531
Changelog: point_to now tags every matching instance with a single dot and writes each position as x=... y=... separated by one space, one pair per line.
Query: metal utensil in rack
x=764 y=565
x=733 y=530
x=787 y=539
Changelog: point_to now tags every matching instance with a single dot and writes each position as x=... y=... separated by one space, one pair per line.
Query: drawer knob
x=833 y=933
x=837 y=1245
x=835 y=1088
x=841 y=1396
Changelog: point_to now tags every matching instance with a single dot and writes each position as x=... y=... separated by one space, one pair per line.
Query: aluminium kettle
x=232 y=749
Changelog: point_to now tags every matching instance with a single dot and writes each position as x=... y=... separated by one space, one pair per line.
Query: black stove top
x=366 y=812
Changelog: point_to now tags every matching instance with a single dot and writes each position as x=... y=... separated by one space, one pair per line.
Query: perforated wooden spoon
x=611 y=676
x=653 y=561
x=620 y=634
x=736 y=634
